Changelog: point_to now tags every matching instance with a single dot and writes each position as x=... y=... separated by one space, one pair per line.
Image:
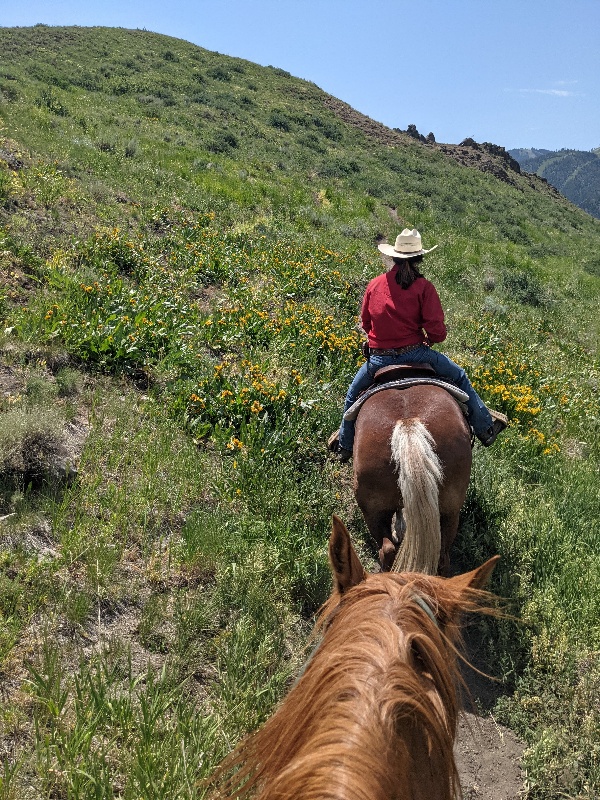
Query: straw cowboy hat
x=407 y=244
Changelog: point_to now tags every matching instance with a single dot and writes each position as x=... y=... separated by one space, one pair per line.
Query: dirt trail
x=488 y=755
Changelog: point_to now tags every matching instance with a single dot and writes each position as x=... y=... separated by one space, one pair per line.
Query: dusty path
x=488 y=757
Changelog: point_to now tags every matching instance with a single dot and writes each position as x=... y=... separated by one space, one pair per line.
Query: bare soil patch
x=488 y=757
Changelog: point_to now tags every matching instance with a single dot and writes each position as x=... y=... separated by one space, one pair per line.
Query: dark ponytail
x=408 y=270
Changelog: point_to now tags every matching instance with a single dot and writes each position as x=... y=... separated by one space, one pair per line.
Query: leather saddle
x=397 y=372
x=402 y=376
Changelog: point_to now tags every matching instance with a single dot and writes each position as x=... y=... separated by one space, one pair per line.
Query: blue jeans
x=478 y=415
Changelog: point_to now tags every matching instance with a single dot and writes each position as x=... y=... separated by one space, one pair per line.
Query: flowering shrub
x=513 y=377
x=207 y=307
x=234 y=394
x=501 y=382
x=111 y=252
x=258 y=321
x=118 y=326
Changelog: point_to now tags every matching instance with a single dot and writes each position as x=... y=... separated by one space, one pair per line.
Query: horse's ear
x=345 y=564
x=477 y=578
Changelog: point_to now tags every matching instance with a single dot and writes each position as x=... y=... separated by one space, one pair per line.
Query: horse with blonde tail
x=412 y=465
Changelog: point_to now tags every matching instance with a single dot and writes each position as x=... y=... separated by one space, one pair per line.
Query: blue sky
x=519 y=73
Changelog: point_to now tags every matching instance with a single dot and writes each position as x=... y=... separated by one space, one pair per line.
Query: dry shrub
x=30 y=440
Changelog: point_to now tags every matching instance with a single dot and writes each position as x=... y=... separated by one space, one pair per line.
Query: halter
x=425 y=607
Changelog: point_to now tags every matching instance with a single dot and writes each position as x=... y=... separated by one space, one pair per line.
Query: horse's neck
x=426 y=734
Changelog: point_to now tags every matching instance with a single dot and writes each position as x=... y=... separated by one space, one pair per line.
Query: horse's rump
x=384 y=472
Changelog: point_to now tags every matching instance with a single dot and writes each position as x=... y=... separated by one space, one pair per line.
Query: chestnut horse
x=374 y=713
x=412 y=459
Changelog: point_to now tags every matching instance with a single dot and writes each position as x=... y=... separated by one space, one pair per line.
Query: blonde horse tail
x=420 y=473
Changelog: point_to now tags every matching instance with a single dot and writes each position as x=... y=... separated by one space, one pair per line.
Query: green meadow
x=185 y=239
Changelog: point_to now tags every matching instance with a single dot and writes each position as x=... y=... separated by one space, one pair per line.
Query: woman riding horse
x=402 y=316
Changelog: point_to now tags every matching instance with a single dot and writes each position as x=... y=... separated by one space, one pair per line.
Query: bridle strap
x=425 y=607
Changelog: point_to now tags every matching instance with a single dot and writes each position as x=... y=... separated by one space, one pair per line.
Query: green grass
x=184 y=241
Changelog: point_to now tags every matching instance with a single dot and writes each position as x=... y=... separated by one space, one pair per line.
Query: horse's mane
x=380 y=685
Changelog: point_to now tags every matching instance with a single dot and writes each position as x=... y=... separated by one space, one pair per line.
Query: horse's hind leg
x=379 y=524
x=448 y=529
x=399 y=527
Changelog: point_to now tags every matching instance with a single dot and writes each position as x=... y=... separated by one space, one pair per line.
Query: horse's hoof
x=387 y=555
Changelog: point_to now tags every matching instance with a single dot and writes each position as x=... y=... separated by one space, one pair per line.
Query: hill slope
x=575 y=173
x=185 y=238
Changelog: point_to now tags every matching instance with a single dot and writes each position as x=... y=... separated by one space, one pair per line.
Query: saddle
x=400 y=371
x=402 y=376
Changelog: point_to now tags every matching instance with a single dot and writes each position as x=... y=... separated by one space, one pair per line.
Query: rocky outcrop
x=486 y=157
x=414 y=133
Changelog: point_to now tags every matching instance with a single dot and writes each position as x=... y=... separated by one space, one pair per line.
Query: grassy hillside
x=575 y=173
x=185 y=238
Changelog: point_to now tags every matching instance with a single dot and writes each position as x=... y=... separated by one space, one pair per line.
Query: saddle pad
x=404 y=383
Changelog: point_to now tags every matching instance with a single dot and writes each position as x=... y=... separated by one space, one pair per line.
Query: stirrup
x=343 y=455
x=498 y=416
x=333 y=443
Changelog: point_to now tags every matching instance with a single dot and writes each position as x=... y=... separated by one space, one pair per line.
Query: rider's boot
x=333 y=444
x=500 y=421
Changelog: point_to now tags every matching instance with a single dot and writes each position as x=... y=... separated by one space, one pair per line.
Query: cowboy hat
x=407 y=244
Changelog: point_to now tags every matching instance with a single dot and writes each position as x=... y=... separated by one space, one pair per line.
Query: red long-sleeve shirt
x=395 y=317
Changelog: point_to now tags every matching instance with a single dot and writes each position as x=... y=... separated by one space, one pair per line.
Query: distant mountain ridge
x=575 y=173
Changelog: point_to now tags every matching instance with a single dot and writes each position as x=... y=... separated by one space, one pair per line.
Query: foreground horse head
x=373 y=716
x=412 y=461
